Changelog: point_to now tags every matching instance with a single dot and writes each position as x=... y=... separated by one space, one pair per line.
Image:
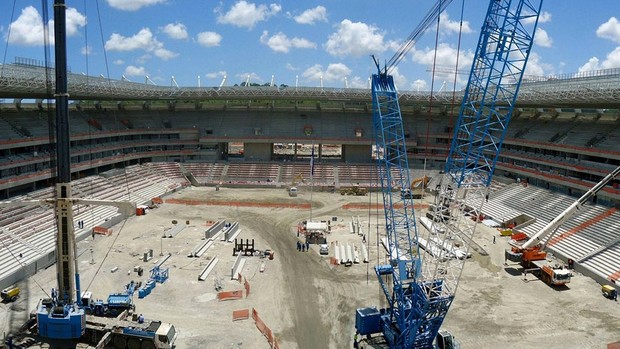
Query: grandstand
x=137 y=141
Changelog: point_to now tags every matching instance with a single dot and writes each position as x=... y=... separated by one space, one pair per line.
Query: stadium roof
x=596 y=89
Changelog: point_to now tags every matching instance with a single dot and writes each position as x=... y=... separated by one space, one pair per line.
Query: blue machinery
x=61 y=317
x=420 y=286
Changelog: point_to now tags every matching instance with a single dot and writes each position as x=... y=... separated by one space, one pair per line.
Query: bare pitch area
x=300 y=296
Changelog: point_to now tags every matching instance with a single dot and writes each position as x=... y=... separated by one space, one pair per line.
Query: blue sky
x=302 y=43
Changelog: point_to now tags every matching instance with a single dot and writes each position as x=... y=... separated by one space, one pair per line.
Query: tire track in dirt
x=317 y=322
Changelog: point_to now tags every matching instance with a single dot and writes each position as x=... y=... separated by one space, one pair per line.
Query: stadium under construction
x=198 y=156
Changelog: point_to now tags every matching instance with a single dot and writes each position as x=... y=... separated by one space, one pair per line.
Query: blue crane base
x=61 y=322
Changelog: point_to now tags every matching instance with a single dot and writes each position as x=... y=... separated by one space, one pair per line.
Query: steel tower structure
x=420 y=286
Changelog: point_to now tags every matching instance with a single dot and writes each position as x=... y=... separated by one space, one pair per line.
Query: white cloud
x=592 y=64
x=448 y=26
x=400 y=81
x=543 y=17
x=419 y=85
x=208 y=39
x=311 y=16
x=334 y=72
x=252 y=78
x=75 y=21
x=609 y=30
x=611 y=61
x=536 y=67
x=246 y=15
x=290 y=67
x=214 y=75
x=445 y=57
x=281 y=43
x=132 y=5
x=143 y=40
x=27 y=29
x=87 y=50
x=314 y=73
x=164 y=54
x=357 y=82
x=119 y=62
x=542 y=38
x=135 y=71
x=445 y=62
x=176 y=31
x=355 y=39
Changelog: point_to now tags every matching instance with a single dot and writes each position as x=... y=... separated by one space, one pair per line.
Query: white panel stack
x=364 y=253
x=337 y=254
x=349 y=260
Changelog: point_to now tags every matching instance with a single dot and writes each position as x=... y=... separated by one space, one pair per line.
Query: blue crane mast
x=422 y=275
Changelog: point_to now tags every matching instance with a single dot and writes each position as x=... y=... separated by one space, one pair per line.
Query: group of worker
x=303 y=247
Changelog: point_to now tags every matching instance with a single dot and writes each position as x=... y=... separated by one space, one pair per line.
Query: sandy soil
x=307 y=302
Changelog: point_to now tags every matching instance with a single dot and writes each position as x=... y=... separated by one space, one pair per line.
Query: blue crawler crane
x=422 y=275
x=60 y=316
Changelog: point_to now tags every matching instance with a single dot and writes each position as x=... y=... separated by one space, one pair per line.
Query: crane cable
x=430 y=102
x=456 y=68
x=23 y=266
x=8 y=38
x=430 y=107
x=90 y=136
x=125 y=171
x=436 y=10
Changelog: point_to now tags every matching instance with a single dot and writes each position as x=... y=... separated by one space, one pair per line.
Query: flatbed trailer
x=129 y=334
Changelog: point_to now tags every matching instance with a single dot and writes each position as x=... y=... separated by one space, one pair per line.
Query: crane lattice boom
x=422 y=275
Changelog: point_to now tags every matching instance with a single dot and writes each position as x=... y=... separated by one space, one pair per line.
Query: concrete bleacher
x=172 y=171
x=254 y=173
x=591 y=237
x=31 y=231
x=34 y=122
x=7 y=131
x=363 y=174
x=206 y=173
x=323 y=173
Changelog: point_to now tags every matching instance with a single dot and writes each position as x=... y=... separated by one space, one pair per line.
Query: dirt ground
x=307 y=302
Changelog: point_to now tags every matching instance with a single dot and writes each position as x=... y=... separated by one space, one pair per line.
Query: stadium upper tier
x=596 y=89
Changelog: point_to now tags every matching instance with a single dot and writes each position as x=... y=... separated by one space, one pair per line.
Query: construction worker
x=140 y=319
x=307 y=246
x=298 y=246
x=355 y=340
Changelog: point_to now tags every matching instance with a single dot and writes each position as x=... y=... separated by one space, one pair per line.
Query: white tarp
x=316 y=226
x=490 y=223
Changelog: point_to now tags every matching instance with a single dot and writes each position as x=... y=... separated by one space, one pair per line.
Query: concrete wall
x=357 y=153
x=257 y=151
